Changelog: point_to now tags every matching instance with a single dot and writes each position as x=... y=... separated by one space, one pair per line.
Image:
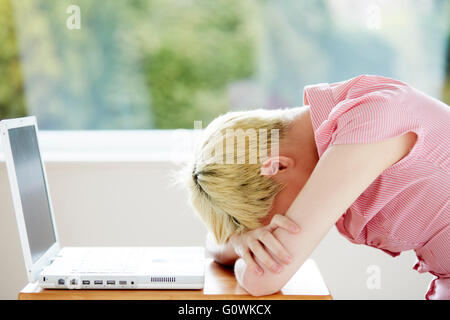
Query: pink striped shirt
x=408 y=206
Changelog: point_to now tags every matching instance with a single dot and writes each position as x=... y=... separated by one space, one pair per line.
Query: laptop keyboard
x=116 y=261
x=113 y=260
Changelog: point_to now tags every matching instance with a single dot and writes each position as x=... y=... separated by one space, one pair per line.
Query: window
x=162 y=64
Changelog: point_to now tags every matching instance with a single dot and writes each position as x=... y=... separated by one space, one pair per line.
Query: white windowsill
x=167 y=146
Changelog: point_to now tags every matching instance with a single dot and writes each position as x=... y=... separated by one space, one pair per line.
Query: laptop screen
x=32 y=188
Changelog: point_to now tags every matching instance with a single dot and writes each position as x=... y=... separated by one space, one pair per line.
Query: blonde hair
x=234 y=197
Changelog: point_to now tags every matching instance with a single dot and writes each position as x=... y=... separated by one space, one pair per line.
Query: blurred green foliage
x=446 y=87
x=162 y=64
x=11 y=80
x=196 y=52
x=132 y=65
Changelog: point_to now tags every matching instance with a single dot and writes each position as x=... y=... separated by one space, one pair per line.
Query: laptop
x=81 y=267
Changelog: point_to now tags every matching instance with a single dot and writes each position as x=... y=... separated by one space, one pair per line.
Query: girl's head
x=226 y=180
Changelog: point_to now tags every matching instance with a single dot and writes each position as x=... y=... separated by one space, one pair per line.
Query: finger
x=275 y=247
x=251 y=263
x=266 y=259
x=281 y=221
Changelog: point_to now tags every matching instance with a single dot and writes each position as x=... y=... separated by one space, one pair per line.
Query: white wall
x=134 y=204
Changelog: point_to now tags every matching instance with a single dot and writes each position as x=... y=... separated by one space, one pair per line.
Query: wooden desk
x=220 y=284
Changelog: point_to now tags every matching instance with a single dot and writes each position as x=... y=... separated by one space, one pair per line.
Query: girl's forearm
x=223 y=254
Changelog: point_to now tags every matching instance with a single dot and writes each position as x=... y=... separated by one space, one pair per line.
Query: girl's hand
x=261 y=243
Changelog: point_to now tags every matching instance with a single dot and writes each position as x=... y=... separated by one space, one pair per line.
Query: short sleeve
x=365 y=109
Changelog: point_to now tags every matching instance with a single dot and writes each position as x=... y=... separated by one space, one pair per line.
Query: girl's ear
x=270 y=167
x=274 y=165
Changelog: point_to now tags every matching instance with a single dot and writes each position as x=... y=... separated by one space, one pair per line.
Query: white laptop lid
x=30 y=193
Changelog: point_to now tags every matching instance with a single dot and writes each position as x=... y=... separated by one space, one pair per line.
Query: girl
x=370 y=155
